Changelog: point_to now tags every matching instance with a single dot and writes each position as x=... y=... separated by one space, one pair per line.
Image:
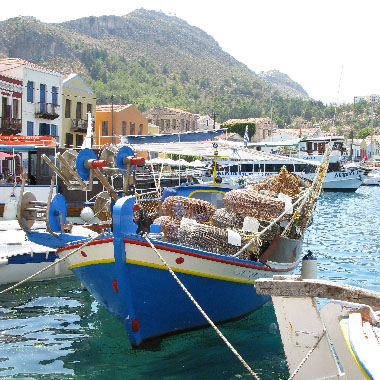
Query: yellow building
x=124 y=120
x=77 y=101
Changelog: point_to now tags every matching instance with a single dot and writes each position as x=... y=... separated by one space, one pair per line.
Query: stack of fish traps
x=150 y=201
x=198 y=224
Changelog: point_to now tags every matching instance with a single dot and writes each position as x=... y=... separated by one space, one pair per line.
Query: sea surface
x=55 y=330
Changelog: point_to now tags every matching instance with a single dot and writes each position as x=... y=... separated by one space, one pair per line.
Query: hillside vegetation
x=152 y=59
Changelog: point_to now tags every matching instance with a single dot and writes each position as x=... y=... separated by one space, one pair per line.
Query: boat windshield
x=214 y=197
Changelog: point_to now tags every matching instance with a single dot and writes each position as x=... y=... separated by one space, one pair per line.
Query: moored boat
x=340 y=340
x=216 y=240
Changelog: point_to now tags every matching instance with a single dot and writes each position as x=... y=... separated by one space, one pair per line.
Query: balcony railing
x=78 y=125
x=10 y=126
x=47 y=110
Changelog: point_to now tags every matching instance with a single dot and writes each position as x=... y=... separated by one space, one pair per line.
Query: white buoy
x=86 y=214
x=10 y=208
x=309 y=267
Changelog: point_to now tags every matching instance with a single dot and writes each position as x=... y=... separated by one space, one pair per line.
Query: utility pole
x=112 y=118
x=214 y=117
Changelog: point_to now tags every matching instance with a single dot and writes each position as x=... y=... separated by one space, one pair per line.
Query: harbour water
x=55 y=330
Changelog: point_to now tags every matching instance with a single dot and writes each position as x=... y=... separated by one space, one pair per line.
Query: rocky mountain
x=283 y=83
x=150 y=59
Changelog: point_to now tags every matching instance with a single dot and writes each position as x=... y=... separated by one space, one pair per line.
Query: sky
x=330 y=47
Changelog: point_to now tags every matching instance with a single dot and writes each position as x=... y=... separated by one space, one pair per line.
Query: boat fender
x=87 y=214
x=10 y=208
x=309 y=266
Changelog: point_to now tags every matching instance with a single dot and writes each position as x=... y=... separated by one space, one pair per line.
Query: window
x=69 y=140
x=78 y=140
x=30 y=92
x=123 y=128
x=42 y=93
x=15 y=109
x=53 y=130
x=140 y=129
x=54 y=95
x=44 y=129
x=68 y=109
x=89 y=108
x=131 y=128
x=78 y=114
x=29 y=128
x=104 y=128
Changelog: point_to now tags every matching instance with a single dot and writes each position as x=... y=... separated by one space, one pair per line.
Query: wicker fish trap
x=283 y=182
x=251 y=203
x=169 y=227
x=150 y=202
x=224 y=218
x=178 y=207
x=204 y=237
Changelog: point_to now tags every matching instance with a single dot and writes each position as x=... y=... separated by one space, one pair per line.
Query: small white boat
x=21 y=258
x=339 y=341
x=373 y=178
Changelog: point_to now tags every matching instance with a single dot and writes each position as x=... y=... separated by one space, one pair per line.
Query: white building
x=10 y=111
x=206 y=123
x=41 y=97
x=368 y=98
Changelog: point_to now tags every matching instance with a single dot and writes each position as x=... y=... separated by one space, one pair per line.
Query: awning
x=5 y=155
x=172 y=137
x=292 y=142
x=225 y=149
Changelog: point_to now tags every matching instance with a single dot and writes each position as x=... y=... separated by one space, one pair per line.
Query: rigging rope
x=308 y=354
x=229 y=345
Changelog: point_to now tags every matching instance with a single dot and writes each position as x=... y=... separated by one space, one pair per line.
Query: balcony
x=46 y=111
x=78 y=125
x=10 y=126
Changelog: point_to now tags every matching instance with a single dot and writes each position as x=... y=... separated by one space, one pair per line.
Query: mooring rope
x=229 y=345
x=308 y=354
x=52 y=264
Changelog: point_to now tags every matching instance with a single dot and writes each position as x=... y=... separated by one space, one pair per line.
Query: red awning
x=5 y=155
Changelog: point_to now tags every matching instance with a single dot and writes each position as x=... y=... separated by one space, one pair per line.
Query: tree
x=363 y=133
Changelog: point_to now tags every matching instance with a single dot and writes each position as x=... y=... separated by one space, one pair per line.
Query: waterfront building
x=206 y=123
x=41 y=107
x=10 y=111
x=78 y=100
x=264 y=126
x=172 y=120
x=118 y=120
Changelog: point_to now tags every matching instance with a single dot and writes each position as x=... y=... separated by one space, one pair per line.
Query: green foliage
x=240 y=128
x=148 y=84
x=363 y=133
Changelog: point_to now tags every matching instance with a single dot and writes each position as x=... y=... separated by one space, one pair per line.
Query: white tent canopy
x=231 y=150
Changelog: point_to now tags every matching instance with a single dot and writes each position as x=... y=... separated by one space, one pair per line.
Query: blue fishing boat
x=213 y=241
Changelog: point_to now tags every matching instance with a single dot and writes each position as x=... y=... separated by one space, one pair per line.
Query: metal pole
x=112 y=117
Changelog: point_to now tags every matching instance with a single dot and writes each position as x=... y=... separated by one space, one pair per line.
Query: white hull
x=20 y=258
x=347 y=180
x=372 y=179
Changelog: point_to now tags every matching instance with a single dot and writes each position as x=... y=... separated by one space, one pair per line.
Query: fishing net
x=283 y=182
x=150 y=201
x=169 y=226
x=224 y=218
x=253 y=203
x=206 y=238
x=179 y=207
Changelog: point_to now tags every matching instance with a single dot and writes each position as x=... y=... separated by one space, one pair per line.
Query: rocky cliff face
x=283 y=82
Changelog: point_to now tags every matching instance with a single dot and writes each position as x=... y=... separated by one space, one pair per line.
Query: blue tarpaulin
x=173 y=137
